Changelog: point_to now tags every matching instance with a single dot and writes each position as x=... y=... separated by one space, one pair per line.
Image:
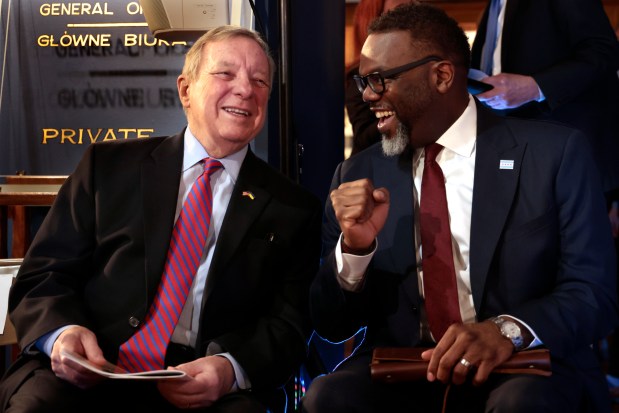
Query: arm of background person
x=593 y=51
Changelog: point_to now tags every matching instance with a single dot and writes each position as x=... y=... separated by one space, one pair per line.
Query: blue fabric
x=491 y=36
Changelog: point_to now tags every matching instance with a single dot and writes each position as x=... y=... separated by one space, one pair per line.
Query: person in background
x=528 y=255
x=557 y=60
x=94 y=268
x=362 y=120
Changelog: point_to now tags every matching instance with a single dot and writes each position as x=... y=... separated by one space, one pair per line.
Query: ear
x=183 y=90
x=445 y=72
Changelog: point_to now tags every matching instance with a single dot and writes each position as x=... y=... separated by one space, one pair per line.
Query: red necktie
x=146 y=349
x=439 y=275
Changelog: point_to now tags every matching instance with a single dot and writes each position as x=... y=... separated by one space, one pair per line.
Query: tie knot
x=431 y=151
x=211 y=165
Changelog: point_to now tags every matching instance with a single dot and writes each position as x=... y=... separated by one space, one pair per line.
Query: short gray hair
x=193 y=58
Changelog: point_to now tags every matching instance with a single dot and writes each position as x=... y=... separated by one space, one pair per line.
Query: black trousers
x=30 y=386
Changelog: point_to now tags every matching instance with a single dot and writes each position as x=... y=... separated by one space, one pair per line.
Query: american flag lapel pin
x=249 y=194
x=506 y=164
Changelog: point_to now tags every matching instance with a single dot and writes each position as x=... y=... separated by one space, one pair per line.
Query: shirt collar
x=194 y=152
x=460 y=137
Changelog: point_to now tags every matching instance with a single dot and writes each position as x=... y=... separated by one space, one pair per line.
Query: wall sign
x=74 y=73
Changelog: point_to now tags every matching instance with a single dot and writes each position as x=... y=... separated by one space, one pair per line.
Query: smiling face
x=408 y=98
x=226 y=103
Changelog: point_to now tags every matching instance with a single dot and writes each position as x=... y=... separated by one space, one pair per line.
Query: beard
x=398 y=143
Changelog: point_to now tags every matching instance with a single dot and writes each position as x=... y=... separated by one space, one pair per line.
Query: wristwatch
x=510 y=330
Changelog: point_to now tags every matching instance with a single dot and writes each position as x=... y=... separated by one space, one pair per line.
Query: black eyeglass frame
x=362 y=81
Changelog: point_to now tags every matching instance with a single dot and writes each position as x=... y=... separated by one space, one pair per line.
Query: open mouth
x=384 y=119
x=236 y=111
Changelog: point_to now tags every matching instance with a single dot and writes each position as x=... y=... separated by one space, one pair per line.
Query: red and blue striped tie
x=146 y=349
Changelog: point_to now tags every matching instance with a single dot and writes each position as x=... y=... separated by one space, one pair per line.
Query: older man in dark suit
x=94 y=268
x=528 y=260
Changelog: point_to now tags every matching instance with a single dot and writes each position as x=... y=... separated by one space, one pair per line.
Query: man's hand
x=361 y=211
x=481 y=344
x=209 y=379
x=82 y=341
x=510 y=91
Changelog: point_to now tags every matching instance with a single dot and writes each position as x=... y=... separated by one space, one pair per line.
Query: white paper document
x=114 y=372
x=6 y=279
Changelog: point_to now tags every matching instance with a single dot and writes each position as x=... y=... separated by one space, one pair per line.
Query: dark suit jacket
x=540 y=247
x=570 y=49
x=98 y=257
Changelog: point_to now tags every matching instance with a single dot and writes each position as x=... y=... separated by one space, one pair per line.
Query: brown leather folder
x=399 y=364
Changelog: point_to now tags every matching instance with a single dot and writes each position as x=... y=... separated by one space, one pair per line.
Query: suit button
x=134 y=322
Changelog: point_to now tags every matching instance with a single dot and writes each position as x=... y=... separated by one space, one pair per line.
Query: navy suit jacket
x=570 y=49
x=98 y=257
x=540 y=248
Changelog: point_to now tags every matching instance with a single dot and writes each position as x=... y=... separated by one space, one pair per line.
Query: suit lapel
x=400 y=184
x=493 y=193
x=398 y=257
x=160 y=177
x=248 y=200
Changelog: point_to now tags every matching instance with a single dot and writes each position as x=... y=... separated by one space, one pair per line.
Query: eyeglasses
x=376 y=80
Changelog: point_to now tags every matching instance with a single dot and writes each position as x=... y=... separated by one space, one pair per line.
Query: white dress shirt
x=457 y=161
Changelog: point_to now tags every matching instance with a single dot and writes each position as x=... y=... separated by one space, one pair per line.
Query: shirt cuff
x=541 y=96
x=241 y=380
x=46 y=343
x=351 y=268
x=536 y=341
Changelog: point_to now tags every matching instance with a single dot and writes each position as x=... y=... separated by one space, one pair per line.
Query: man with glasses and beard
x=528 y=252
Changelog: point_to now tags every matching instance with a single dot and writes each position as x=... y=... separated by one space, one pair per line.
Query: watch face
x=510 y=329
